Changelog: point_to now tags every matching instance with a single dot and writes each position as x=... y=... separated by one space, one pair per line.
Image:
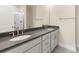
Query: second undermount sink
x=20 y=38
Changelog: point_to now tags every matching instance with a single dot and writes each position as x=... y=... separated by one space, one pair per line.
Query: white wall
x=6 y=18
x=64 y=17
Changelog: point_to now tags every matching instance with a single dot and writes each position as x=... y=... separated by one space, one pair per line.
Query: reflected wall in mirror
x=13 y=17
x=6 y=18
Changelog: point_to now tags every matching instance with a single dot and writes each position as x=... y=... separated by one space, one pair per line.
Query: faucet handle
x=17 y=29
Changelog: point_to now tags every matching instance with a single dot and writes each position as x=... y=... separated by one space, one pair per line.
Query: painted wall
x=64 y=17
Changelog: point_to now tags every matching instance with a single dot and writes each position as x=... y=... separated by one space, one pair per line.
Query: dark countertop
x=5 y=42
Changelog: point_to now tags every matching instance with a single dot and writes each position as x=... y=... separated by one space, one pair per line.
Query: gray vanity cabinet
x=46 y=43
x=54 y=39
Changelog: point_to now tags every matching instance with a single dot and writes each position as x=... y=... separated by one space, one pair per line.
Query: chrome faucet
x=13 y=33
x=17 y=30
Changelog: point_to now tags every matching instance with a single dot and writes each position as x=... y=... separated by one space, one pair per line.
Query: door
x=67 y=33
x=65 y=19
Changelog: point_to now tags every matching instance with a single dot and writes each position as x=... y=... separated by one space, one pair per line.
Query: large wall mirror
x=22 y=17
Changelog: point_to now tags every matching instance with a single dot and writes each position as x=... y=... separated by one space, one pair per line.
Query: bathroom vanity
x=42 y=40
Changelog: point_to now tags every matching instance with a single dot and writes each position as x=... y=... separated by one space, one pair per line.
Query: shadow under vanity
x=43 y=40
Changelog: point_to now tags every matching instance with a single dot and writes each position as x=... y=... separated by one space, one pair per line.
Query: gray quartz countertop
x=5 y=42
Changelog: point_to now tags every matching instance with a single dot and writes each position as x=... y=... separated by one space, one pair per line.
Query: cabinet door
x=46 y=46
x=46 y=43
x=54 y=39
x=35 y=49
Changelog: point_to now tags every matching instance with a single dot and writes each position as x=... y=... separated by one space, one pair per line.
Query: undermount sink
x=20 y=38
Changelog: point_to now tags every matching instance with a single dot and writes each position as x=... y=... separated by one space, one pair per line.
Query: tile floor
x=59 y=49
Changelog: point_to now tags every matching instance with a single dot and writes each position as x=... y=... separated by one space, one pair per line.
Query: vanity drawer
x=35 y=49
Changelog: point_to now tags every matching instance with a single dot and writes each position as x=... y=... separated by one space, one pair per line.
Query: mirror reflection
x=19 y=17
